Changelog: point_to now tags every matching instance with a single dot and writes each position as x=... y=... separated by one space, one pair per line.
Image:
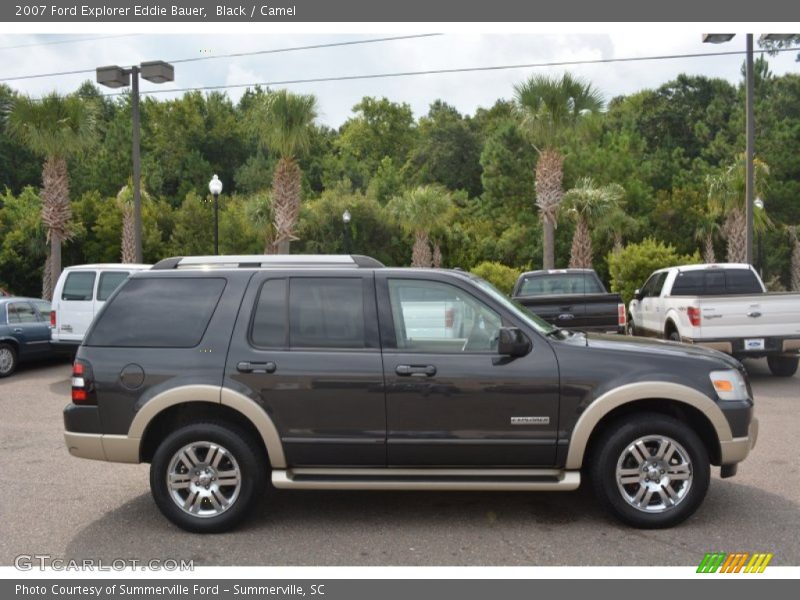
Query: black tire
x=8 y=359
x=674 y=336
x=613 y=448
x=629 y=327
x=782 y=366
x=245 y=451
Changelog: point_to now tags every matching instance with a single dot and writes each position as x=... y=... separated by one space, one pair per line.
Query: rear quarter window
x=158 y=313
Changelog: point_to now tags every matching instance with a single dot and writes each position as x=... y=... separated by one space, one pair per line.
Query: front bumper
x=737 y=449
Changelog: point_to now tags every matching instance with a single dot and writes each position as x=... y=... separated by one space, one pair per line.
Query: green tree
x=587 y=203
x=284 y=122
x=55 y=128
x=499 y=275
x=22 y=242
x=631 y=267
x=553 y=108
x=419 y=211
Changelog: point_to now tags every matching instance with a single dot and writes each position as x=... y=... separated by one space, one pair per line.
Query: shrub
x=498 y=274
x=631 y=267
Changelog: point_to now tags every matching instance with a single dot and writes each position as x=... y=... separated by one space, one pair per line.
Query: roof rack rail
x=258 y=261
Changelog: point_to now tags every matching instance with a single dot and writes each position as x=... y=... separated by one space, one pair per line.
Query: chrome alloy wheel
x=654 y=474
x=6 y=360
x=204 y=479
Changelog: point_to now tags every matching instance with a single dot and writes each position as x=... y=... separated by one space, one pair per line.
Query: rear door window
x=268 y=329
x=326 y=312
x=158 y=312
x=78 y=286
x=110 y=281
x=21 y=312
x=43 y=306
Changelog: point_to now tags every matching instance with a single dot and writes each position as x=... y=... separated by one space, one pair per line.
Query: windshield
x=519 y=311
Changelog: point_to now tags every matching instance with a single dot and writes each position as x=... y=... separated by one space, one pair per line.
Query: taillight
x=52 y=318
x=622 y=316
x=694 y=316
x=82 y=384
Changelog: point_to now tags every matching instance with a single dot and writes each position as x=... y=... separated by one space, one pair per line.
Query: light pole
x=759 y=204
x=346 y=217
x=749 y=190
x=156 y=71
x=215 y=187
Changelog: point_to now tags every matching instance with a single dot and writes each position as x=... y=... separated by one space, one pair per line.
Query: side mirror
x=638 y=294
x=513 y=342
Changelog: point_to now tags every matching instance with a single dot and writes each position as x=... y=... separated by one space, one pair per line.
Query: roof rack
x=282 y=261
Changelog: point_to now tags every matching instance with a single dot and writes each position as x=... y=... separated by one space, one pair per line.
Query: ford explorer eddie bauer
x=335 y=372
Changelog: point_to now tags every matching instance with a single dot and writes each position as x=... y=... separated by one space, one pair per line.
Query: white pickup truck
x=721 y=306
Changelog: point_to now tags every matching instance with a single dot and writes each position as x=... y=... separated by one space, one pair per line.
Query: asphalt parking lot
x=73 y=509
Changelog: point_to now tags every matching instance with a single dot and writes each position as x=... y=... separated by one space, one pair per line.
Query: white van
x=80 y=293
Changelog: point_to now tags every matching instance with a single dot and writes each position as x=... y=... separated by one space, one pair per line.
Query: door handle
x=416 y=370
x=256 y=367
x=17 y=329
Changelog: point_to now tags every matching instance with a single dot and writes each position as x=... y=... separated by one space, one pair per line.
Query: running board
x=545 y=480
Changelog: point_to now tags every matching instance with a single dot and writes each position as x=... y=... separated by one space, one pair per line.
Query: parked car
x=720 y=306
x=571 y=299
x=80 y=293
x=24 y=331
x=220 y=370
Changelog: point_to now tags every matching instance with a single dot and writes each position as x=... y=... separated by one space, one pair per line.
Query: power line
x=239 y=54
x=563 y=63
x=91 y=39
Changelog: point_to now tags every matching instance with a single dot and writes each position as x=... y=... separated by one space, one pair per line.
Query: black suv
x=334 y=372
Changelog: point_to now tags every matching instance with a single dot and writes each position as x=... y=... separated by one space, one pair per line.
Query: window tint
x=560 y=283
x=21 y=312
x=688 y=283
x=43 y=306
x=78 y=286
x=742 y=281
x=326 y=313
x=436 y=317
x=109 y=282
x=158 y=313
x=715 y=283
x=269 y=322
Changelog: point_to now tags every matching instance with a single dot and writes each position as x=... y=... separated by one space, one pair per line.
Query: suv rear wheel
x=782 y=366
x=206 y=476
x=650 y=471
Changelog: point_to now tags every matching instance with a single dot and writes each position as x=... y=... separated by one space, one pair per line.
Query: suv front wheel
x=206 y=476
x=650 y=471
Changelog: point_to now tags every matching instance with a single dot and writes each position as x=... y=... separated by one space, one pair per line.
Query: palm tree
x=707 y=229
x=125 y=203
x=616 y=223
x=419 y=211
x=285 y=121
x=56 y=128
x=726 y=195
x=553 y=108
x=586 y=203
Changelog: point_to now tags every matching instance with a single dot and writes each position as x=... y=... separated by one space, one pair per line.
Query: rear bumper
x=773 y=346
x=96 y=446
x=737 y=449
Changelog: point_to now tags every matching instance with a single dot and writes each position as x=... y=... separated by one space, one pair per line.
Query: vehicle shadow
x=450 y=528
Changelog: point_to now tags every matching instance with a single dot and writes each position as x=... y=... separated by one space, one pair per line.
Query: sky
x=465 y=91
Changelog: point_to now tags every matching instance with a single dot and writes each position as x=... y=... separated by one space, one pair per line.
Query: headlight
x=729 y=385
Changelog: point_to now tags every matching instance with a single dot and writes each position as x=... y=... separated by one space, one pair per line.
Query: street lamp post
x=749 y=187
x=759 y=204
x=113 y=76
x=346 y=217
x=215 y=187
